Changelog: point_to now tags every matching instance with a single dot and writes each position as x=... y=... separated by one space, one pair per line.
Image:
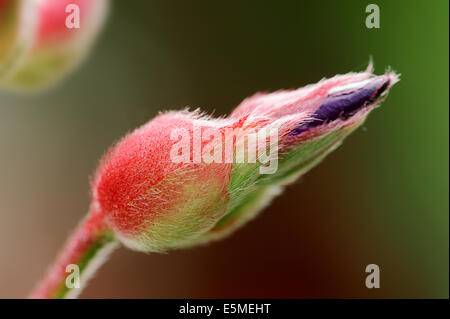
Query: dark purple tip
x=344 y=104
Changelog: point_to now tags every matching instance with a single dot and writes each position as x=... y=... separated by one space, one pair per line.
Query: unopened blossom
x=144 y=197
x=42 y=40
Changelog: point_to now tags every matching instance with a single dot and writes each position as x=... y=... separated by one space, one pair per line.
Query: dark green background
x=381 y=198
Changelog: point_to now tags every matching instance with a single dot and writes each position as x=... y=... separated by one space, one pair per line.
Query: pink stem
x=87 y=248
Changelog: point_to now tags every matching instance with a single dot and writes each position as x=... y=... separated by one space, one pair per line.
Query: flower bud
x=151 y=202
x=312 y=121
x=45 y=39
x=17 y=25
x=155 y=198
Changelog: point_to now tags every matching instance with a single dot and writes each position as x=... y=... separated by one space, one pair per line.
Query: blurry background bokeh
x=381 y=198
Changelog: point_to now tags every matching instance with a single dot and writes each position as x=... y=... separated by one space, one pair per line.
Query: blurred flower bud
x=41 y=41
x=17 y=26
x=183 y=178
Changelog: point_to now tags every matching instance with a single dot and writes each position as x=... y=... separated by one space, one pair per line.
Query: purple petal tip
x=345 y=103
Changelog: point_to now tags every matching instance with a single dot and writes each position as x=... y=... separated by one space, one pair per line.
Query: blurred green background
x=382 y=198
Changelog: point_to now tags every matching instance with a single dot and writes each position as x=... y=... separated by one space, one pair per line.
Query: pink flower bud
x=314 y=110
x=17 y=25
x=59 y=33
x=153 y=202
x=152 y=198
